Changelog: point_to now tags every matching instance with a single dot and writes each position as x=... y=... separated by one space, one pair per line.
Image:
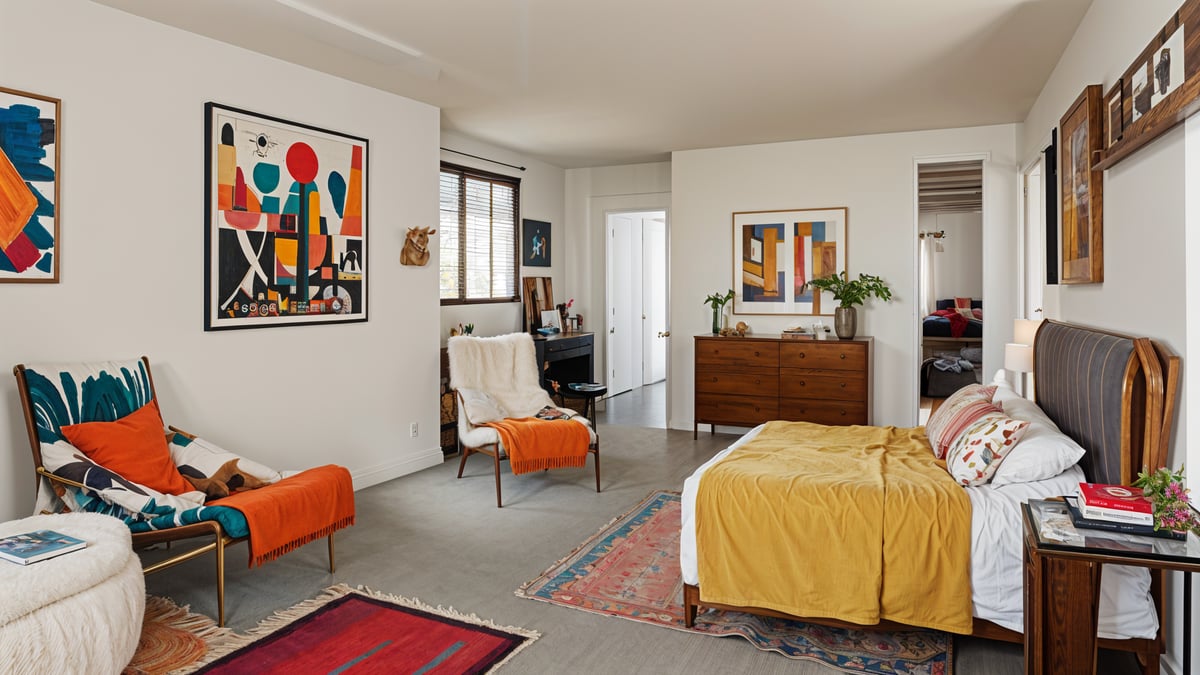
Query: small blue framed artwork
x=535 y=243
x=29 y=180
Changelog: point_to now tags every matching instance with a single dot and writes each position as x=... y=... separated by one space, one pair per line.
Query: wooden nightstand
x=1062 y=585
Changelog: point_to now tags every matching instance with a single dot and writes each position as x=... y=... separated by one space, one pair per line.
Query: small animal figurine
x=416 y=246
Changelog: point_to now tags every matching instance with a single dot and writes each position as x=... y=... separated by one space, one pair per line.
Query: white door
x=1034 y=236
x=654 y=298
x=623 y=312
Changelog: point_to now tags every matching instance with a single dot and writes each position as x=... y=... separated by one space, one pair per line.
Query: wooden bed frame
x=1085 y=377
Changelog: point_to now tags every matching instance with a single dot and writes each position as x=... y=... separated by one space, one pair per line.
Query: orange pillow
x=134 y=447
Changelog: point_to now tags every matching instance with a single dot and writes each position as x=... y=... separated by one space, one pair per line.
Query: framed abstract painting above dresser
x=746 y=381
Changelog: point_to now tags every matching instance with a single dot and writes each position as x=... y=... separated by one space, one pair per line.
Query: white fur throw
x=504 y=366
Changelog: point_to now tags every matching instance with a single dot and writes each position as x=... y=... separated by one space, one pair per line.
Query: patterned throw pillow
x=979 y=450
x=944 y=424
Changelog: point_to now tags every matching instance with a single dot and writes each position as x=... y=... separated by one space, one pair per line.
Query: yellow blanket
x=860 y=524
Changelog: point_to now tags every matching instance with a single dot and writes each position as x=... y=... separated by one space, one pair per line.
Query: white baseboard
x=381 y=473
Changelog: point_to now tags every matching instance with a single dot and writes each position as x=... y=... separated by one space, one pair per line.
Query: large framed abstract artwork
x=29 y=187
x=285 y=239
x=1081 y=131
x=776 y=254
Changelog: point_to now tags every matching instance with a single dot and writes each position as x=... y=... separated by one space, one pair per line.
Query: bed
x=1110 y=393
x=949 y=329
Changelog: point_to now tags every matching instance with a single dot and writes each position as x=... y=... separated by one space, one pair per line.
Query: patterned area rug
x=630 y=569
x=173 y=637
x=345 y=628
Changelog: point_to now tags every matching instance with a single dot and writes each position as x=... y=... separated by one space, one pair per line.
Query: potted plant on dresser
x=849 y=293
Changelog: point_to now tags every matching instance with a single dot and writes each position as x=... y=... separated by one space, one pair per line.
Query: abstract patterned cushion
x=133 y=446
x=980 y=449
x=938 y=428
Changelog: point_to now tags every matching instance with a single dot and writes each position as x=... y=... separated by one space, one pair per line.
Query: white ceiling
x=597 y=82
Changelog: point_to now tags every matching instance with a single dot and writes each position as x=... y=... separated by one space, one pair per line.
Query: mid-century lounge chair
x=496 y=379
x=99 y=446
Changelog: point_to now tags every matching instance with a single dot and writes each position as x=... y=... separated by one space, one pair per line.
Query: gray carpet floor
x=442 y=540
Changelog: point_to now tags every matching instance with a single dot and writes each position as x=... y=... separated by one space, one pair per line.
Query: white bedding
x=1126 y=609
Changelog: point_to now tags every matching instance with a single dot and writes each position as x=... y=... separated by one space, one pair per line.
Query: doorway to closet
x=636 y=310
x=950 y=302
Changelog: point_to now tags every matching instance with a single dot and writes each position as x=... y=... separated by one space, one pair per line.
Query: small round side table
x=589 y=392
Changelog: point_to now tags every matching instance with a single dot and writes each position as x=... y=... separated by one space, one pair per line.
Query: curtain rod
x=467 y=154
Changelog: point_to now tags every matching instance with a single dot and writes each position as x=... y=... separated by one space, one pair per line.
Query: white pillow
x=1043 y=451
x=480 y=407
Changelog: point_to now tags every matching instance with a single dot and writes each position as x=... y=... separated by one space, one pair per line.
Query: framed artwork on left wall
x=30 y=138
x=285 y=232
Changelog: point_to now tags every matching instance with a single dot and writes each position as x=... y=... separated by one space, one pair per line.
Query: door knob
x=612 y=331
x=663 y=334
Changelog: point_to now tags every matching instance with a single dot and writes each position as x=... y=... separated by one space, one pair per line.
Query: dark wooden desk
x=1062 y=591
x=565 y=357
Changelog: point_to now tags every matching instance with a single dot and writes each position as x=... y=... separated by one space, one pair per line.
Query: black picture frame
x=535 y=243
x=266 y=180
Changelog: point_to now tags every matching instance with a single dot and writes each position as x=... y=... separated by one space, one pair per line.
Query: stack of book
x=1117 y=508
x=797 y=333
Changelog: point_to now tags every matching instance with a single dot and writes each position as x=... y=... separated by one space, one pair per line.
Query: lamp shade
x=1018 y=357
x=1025 y=330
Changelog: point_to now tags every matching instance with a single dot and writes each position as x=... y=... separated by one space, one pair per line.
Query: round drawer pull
x=843 y=413
x=756 y=353
x=757 y=381
x=843 y=385
x=843 y=357
x=714 y=378
x=801 y=354
x=801 y=383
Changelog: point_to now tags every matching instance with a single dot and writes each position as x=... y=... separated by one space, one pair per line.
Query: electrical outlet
x=412 y=430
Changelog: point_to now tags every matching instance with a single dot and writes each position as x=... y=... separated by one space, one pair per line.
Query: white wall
x=1147 y=204
x=958 y=269
x=590 y=193
x=132 y=273
x=875 y=177
x=541 y=199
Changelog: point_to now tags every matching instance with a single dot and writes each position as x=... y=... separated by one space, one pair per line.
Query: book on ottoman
x=34 y=546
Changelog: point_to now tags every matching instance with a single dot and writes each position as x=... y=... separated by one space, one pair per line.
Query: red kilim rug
x=358 y=631
x=630 y=569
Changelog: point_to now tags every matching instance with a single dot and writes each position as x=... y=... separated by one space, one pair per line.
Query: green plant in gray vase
x=849 y=293
x=717 y=301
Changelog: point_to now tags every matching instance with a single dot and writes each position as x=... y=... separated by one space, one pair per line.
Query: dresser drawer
x=737 y=352
x=823 y=412
x=735 y=410
x=824 y=354
x=746 y=381
x=826 y=384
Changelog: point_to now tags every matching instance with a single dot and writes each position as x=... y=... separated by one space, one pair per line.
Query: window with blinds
x=478 y=235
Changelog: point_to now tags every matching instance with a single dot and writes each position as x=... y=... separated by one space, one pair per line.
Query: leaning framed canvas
x=285 y=232
x=30 y=141
x=1082 y=190
x=776 y=254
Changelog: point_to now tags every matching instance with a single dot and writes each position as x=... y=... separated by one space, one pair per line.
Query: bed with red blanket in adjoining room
x=1111 y=394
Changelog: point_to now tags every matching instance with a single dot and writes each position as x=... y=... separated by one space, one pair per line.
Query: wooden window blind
x=478 y=235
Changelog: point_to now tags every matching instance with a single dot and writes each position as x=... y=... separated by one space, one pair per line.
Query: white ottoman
x=80 y=612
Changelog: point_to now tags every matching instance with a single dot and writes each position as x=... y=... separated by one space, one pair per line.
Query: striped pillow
x=948 y=421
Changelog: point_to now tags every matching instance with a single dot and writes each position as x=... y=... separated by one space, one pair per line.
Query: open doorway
x=949 y=278
x=636 y=312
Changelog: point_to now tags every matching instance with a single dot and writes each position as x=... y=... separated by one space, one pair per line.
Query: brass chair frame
x=210 y=530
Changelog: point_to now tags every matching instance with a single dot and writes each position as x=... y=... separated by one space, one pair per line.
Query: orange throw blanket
x=290 y=513
x=534 y=444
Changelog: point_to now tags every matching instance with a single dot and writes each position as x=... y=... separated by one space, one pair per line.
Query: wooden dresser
x=746 y=381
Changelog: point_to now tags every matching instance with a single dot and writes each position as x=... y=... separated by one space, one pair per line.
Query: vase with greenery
x=849 y=293
x=1169 y=498
x=717 y=301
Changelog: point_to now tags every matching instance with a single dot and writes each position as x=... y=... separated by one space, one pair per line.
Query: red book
x=1118 y=497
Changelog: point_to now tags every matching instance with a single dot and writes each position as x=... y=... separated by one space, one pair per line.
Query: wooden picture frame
x=1082 y=232
x=1114 y=119
x=30 y=181
x=285 y=231
x=538 y=296
x=776 y=254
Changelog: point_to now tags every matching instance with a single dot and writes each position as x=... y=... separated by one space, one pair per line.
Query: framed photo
x=538 y=295
x=1166 y=67
x=285 y=232
x=776 y=254
x=29 y=186
x=1082 y=186
x=551 y=319
x=1140 y=92
x=1114 y=103
x=535 y=243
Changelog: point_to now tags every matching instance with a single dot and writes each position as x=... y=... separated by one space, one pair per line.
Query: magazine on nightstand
x=32 y=547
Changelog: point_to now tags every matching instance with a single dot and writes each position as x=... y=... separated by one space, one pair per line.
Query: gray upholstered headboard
x=1093 y=385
